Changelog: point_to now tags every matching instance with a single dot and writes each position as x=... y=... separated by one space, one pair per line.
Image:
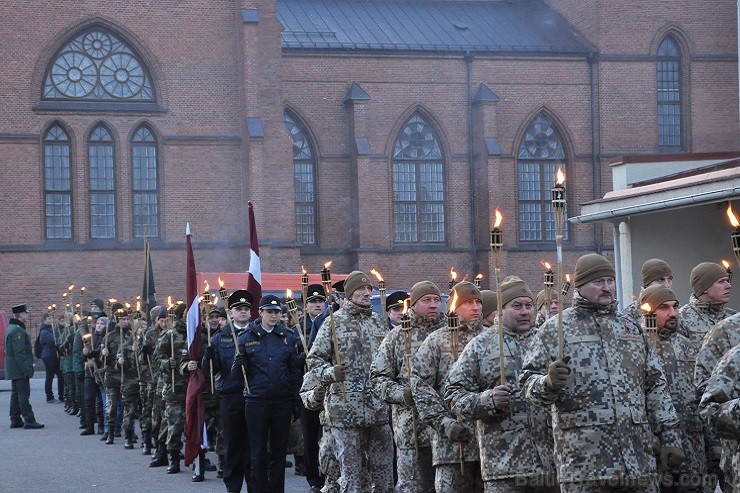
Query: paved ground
x=56 y=459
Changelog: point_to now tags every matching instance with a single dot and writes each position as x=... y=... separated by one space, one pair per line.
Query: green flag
x=148 y=293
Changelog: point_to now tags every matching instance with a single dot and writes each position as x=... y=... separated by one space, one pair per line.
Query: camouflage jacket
x=115 y=348
x=174 y=341
x=310 y=383
x=432 y=363
x=390 y=376
x=516 y=442
x=720 y=406
x=697 y=317
x=616 y=398
x=359 y=333
x=677 y=355
x=633 y=312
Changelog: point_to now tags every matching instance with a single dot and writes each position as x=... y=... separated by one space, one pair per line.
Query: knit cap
x=704 y=275
x=466 y=291
x=421 y=289
x=513 y=288
x=592 y=266
x=654 y=269
x=656 y=296
x=488 y=298
x=355 y=280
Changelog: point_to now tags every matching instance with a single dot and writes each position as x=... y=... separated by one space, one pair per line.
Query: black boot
x=198 y=475
x=160 y=456
x=300 y=467
x=104 y=437
x=129 y=443
x=89 y=429
x=109 y=441
x=147 y=444
x=220 y=467
x=174 y=466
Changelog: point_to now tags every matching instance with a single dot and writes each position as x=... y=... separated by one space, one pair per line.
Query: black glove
x=301 y=358
x=171 y=364
x=239 y=360
x=297 y=408
x=146 y=350
x=210 y=353
x=70 y=339
x=408 y=398
x=338 y=372
x=671 y=458
x=319 y=392
x=557 y=374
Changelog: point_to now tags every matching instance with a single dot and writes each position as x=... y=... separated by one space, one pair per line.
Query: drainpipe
x=595 y=164
x=471 y=166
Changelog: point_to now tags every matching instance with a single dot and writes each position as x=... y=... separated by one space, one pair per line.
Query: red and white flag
x=254 y=281
x=194 y=407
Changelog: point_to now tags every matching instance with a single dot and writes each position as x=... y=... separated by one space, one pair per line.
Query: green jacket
x=18 y=352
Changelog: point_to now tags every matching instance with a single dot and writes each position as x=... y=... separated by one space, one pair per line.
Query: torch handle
x=561 y=335
x=335 y=343
x=172 y=356
x=499 y=309
x=409 y=371
x=210 y=361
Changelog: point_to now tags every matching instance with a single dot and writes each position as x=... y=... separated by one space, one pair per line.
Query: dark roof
x=494 y=26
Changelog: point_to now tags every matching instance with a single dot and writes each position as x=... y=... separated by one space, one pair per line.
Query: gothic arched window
x=668 y=71
x=57 y=184
x=540 y=154
x=100 y=156
x=418 y=185
x=97 y=65
x=145 y=183
x=304 y=178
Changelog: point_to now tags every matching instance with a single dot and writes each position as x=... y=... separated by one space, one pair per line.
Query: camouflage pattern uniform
x=174 y=341
x=633 y=312
x=78 y=367
x=431 y=364
x=129 y=387
x=717 y=342
x=112 y=375
x=615 y=402
x=539 y=320
x=64 y=345
x=677 y=355
x=390 y=377
x=698 y=316
x=154 y=338
x=211 y=401
x=328 y=463
x=143 y=357
x=720 y=404
x=515 y=444
x=357 y=418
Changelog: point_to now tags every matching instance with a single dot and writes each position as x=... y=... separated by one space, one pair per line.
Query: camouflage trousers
x=159 y=430
x=328 y=463
x=415 y=471
x=145 y=420
x=537 y=484
x=70 y=394
x=130 y=396
x=111 y=411
x=295 y=438
x=174 y=415
x=448 y=478
x=615 y=485
x=365 y=451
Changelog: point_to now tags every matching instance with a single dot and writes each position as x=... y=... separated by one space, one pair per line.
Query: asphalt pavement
x=56 y=459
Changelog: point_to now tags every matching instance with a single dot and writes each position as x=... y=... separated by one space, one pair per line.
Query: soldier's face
x=518 y=314
x=395 y=314
x=428 y=305
x=270 y=318
x=125 y=322
x=666 y=315
x=719 y=292
x=240 y=314
x=213 y=320
x=470 y=311
x=361 y=296
x=666 y=281
x=314 y=307
x=100 y=325
x=600 y=291
x=550 y=311
x=162 y=323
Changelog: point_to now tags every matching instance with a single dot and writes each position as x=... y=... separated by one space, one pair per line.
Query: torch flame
x=733 y=219
x=725 y=264
x=169 y=301
x=453 y=274
x=64 y=295
x=499 y=218
x=138 y=306
x=220 y=283
x=112 y=300
x=546 y=264
x=406 y=306
x=128 y=306
x=377 y=275
x=208 y=286
x=645 y=307
x=82 y=290
x=560 y=177
x=48 y=308
x=479 y=276
x=453 y=303
x=567 y=277
x=303 y=270
x=71 y=287
x=328 y=264
x=288 y=293
x=53 y=306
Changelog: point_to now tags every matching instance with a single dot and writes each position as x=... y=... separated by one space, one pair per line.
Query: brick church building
x=375 y=133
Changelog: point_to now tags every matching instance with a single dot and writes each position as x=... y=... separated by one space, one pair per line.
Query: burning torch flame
x=377 y=275
x=560 y=177
x=733 y=219
x=303 y=270
x=645 y=307
x=208 y=286
x=406 y=306
x=82 y=290
x=138 y=306
x=71 y=287
x=499 y=218
x=546 y=264
x=567 y=277
x=453 y=274
x=220 y=282
x=64 y=295
x=725 y=264
x=112 y=300
x=169 y=301
x=479 y=276
x=328 y=264
x=453 y=303
x=128 y=306
x=288 y=293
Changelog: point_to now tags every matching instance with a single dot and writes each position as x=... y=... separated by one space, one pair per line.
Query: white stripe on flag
x=192 y=320
x=254 y=266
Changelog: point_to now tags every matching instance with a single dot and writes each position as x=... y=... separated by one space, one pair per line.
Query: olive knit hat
x=592 y=266
x=704 y=275
x=513 y=287
x=654 y=269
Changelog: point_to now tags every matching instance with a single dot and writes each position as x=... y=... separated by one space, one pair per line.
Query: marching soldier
x=454 y=451
x=19 y=370
x=113 y=354
x=677 y=355
x=341 y=355
x=543 y=310
x=655 y=272
x=608 y=393
x=514 y=437
x=92 y=344
x=312 y=395
x=154 y=337
x=711 y=288
x=391 y=380
x=489 y=314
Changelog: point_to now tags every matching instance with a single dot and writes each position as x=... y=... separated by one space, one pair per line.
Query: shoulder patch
x=252 y=343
